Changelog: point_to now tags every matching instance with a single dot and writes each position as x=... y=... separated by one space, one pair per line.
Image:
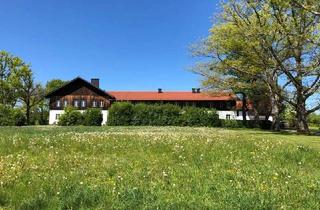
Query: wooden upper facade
x=82 y=95
x=79 y=94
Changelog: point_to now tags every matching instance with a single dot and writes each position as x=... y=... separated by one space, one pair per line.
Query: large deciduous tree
x=9 y=67
x=30 y=93
x=273 y=41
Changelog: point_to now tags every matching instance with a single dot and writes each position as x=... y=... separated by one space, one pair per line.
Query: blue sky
x=128 y=44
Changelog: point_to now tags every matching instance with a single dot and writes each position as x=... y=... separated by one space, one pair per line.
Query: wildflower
x=164 y=174
x=81 y=183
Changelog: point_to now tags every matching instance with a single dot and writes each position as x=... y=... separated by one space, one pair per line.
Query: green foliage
x=232 y=124
x=92 y=117
x=10 y=66
x=141 y=114
x=54 y=84
x=70 y=117
x=289 y=115
x=157 y=168
x=5 y=116
x=161 y=115
x=19 y=117
x=314 y=119
x=257 y=41
x=158 y=114
x=192 y=116
x=120 y=113
x=11 y=116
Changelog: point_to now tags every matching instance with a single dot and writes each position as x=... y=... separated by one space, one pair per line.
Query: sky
x=128 y=44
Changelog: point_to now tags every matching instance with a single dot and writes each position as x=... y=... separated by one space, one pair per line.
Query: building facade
x=82 y=95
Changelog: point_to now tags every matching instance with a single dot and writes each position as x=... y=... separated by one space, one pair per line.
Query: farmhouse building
x=82 y=94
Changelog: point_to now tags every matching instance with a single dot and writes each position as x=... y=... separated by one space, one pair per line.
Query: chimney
x=193 y=90
x=159 y=90
x=198 y=90
x=95 y=82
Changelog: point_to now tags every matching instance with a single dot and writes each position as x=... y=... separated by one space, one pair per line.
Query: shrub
x=141 y=114
x=232 y=123
x=169 y=114
x=192 y=116
x=161 y=115
x=11 y=116
x=19 y=117
x=70 y=117
x=6 y=118
x=92 y=117
x=120 y=113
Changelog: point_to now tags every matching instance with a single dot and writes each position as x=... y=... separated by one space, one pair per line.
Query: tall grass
x=150 y=167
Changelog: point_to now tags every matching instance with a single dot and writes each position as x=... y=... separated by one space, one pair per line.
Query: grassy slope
x=148 y=167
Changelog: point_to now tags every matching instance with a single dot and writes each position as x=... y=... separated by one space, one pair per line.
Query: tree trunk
x=276 y=110
x=28 y=112
x=302 y=123
x=244 y=108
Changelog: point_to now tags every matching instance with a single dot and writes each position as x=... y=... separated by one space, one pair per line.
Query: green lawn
x=157 y=167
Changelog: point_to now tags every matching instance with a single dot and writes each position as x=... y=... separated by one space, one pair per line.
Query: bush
x=192 y=116
x=157 y=114
x=141 y=114
x=161 y=115
x=92 y=117
x=232 y=123
x=6 y=118
x=19 y=117
x=70 y=117
x=120 y=113
x=11 y=116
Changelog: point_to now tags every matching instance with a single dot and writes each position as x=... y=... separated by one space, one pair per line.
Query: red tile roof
x=169 y=96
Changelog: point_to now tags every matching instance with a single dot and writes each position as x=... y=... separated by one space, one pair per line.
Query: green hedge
x=71 y=117
x=11 y=116
x=120 y=114
x=123 y=113
x=92 y=117
x=266 y=125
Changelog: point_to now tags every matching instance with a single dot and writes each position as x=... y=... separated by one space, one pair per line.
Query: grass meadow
x=157 y=168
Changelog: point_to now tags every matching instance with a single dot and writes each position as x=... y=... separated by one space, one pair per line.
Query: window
x=94 y=104
x=238 y=113
x=76 y=103
x=228 y=116
x=101 y=103
x=83 y=103
x=58 y=103
x=65 y=103
x=57 y=116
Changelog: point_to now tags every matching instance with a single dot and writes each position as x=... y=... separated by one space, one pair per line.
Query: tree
x=30 y=93
x=54 y=84
x=9 y=67
x=273 y=41
x=232 y=63
x=312 y=6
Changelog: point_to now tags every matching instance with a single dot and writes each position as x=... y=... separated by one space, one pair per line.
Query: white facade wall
x=233 y=115
x=104 y=117
x=54 y=116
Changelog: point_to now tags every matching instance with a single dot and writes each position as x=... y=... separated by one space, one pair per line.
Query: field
x=157 y=167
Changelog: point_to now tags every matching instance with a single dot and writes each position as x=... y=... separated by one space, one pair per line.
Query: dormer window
x=58 y=104
x=83 y=103
x=94 y=104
